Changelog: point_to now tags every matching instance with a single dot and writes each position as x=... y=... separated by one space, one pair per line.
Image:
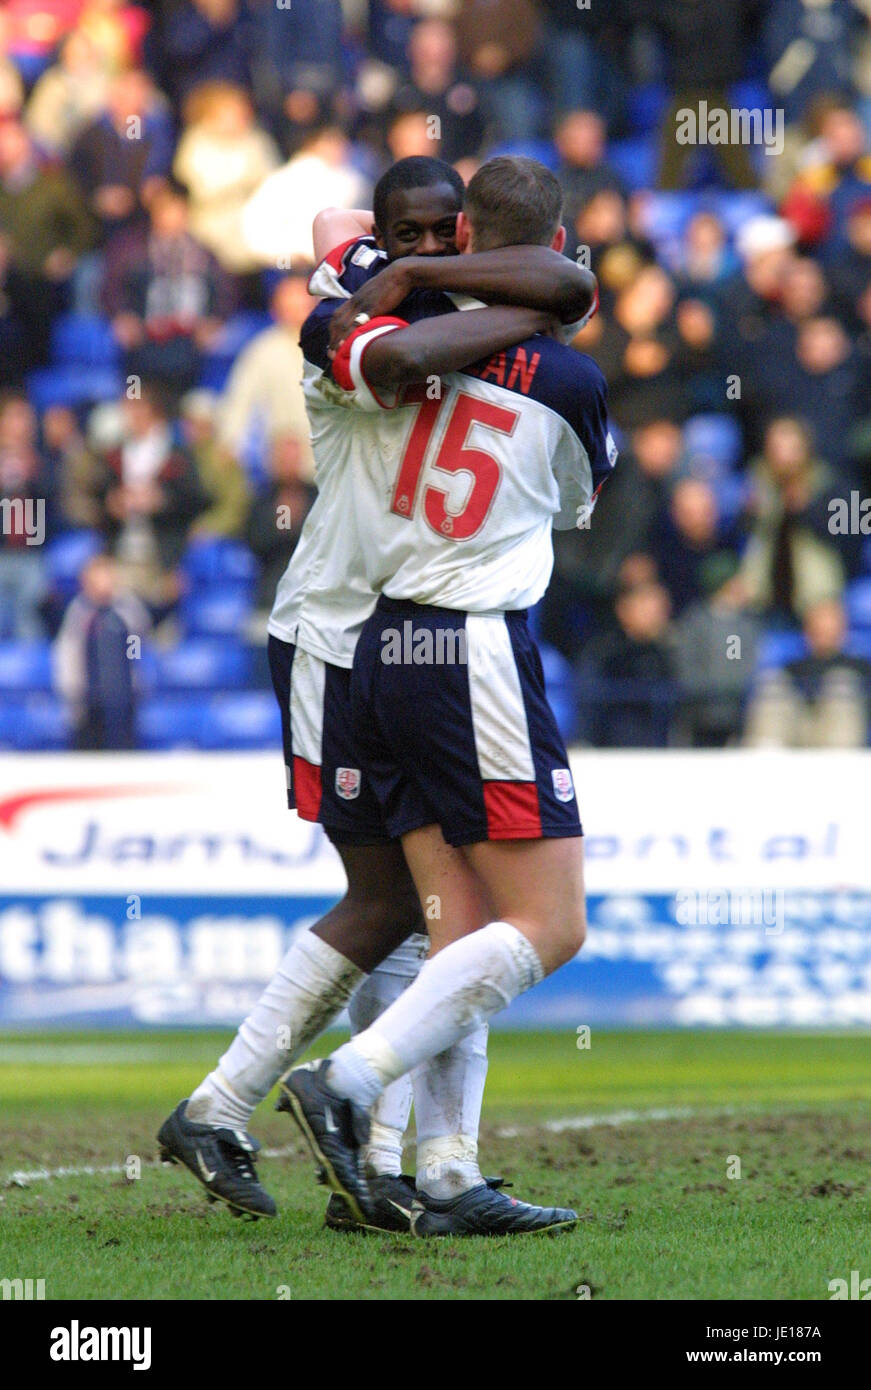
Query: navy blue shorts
x=323 y=768
x=453 y=726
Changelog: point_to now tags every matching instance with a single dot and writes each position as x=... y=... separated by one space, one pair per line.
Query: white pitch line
x=616 y=1118
x=24 y=1177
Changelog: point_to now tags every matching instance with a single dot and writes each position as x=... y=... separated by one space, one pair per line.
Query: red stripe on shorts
x=512 y=810
x=307 y=788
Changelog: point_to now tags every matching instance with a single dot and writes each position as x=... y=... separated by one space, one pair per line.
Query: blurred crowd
x=160 y=167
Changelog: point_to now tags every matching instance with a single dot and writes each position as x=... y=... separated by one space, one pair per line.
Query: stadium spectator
x=25 y=496
x=412 y=134
x=117 y=31
x=165 y=293
x=820 y=700
x=582 y=56
x=685 y=542
x=69 y=96
x=276 y=518
x=626 y=677
x=72 y=466
x=715 y=645
x=579 y=137
x=149 y=494
x=497 y=41
x=792 y=559
x=263 y=396
x=277 y=219
x=849 y=266
x=19 y=346
x=706 y=258
x=807 y=50
x=640 y=351
x=834 y=173
x=616 y=253
x=44 y=218
x=629 y=514
x=95 y=662
x=222 y=158
x=202 y=41
x=221 y=478
x=122 y=156
x=301 y=66
x=438 y=87
x=705 y=45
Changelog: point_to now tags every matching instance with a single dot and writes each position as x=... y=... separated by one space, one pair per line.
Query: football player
x=456 y=493
x=320 y=607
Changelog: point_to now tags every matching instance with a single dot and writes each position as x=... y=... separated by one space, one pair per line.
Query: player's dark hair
x=513 y=201
x=417 y=171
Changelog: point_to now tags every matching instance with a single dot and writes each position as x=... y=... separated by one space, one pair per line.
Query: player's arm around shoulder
x=398 y=354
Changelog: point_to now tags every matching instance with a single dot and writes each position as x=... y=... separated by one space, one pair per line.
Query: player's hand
x=378 y=296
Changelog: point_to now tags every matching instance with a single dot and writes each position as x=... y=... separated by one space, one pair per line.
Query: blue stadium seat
x=25 y=666
x=73 y=386
x=859 y=644
x=201 y=664
x=209 y=561
x=731 y=494
x=247 y=720
x=857 y=600
x=222 y=611
x=635 y=160
x=83 y=340
x=777 y=648
x=170 y=721
x=646 y=106
x=235 y=334
x=65 y=556
x=560 y=682
x=667 y=214
x=33 y=723
x=543 y=150
x=716 y=438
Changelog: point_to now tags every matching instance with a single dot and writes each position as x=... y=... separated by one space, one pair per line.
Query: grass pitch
x=644 y=1134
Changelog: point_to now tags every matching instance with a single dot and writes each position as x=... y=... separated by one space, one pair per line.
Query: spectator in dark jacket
x=149 y=493
x=277 y=515
x=203 y=41
x=120 y=159
x=166 y=294
x=438 y=86
x=705 y=43
x=95 y=658
x=47 y=227
x=626 y=682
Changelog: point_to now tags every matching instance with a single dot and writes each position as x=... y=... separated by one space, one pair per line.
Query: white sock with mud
x=448 y=1094
x=312 y=985
x=390 y=1114
x=455 y=992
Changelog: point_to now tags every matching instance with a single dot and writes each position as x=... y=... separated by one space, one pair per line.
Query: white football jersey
x=323 y=598
x=458 y=484
x=349 y=550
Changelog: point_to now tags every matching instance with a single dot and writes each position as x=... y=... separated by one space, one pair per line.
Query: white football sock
x=313 y=983
x=390 y=1114
x=448 y=1093
x=455 y=992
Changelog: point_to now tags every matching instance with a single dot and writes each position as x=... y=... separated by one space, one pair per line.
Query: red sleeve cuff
x=342 y=373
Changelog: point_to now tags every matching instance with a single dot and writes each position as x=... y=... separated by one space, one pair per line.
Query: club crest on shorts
x=348 y=783
x=563 y=786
